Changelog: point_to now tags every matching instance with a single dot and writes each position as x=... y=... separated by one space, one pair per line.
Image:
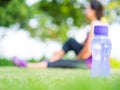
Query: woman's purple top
x=88 y=61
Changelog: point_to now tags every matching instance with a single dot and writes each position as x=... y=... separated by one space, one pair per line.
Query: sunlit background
x=35 y=29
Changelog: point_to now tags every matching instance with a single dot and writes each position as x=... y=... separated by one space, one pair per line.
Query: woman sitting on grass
x=94 y=12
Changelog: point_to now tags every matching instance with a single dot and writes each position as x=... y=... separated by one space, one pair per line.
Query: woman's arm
x=86 y=51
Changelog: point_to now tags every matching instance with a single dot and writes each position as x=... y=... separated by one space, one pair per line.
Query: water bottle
x=101 y=48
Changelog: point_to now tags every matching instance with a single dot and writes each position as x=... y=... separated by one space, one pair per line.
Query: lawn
x=13 y=78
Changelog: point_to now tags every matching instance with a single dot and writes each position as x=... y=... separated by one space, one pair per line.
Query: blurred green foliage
x=115 y=63
x=61 y=10
x=54 y=17
x=112 y=11
x=14 y=11
x=6 y=62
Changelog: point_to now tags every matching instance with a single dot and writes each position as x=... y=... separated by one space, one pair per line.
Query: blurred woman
x=93 y=13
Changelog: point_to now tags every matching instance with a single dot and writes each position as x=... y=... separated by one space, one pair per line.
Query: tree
x=54 y=16
x=62 y=13
x=14 y=11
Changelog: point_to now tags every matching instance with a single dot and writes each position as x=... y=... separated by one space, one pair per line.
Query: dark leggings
x=71 y=44
x=68 y=64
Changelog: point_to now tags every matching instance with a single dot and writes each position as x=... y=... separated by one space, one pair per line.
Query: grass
x=13 y=78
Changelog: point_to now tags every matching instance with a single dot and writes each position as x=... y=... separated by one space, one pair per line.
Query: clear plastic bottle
x=101 y=48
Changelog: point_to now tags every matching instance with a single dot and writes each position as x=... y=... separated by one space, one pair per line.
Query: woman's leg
x=57 y=55
x=37 y=65
x=56 y=64
x=68 y=64
x=23 y=63
x=71 y=44
x=59 y=64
